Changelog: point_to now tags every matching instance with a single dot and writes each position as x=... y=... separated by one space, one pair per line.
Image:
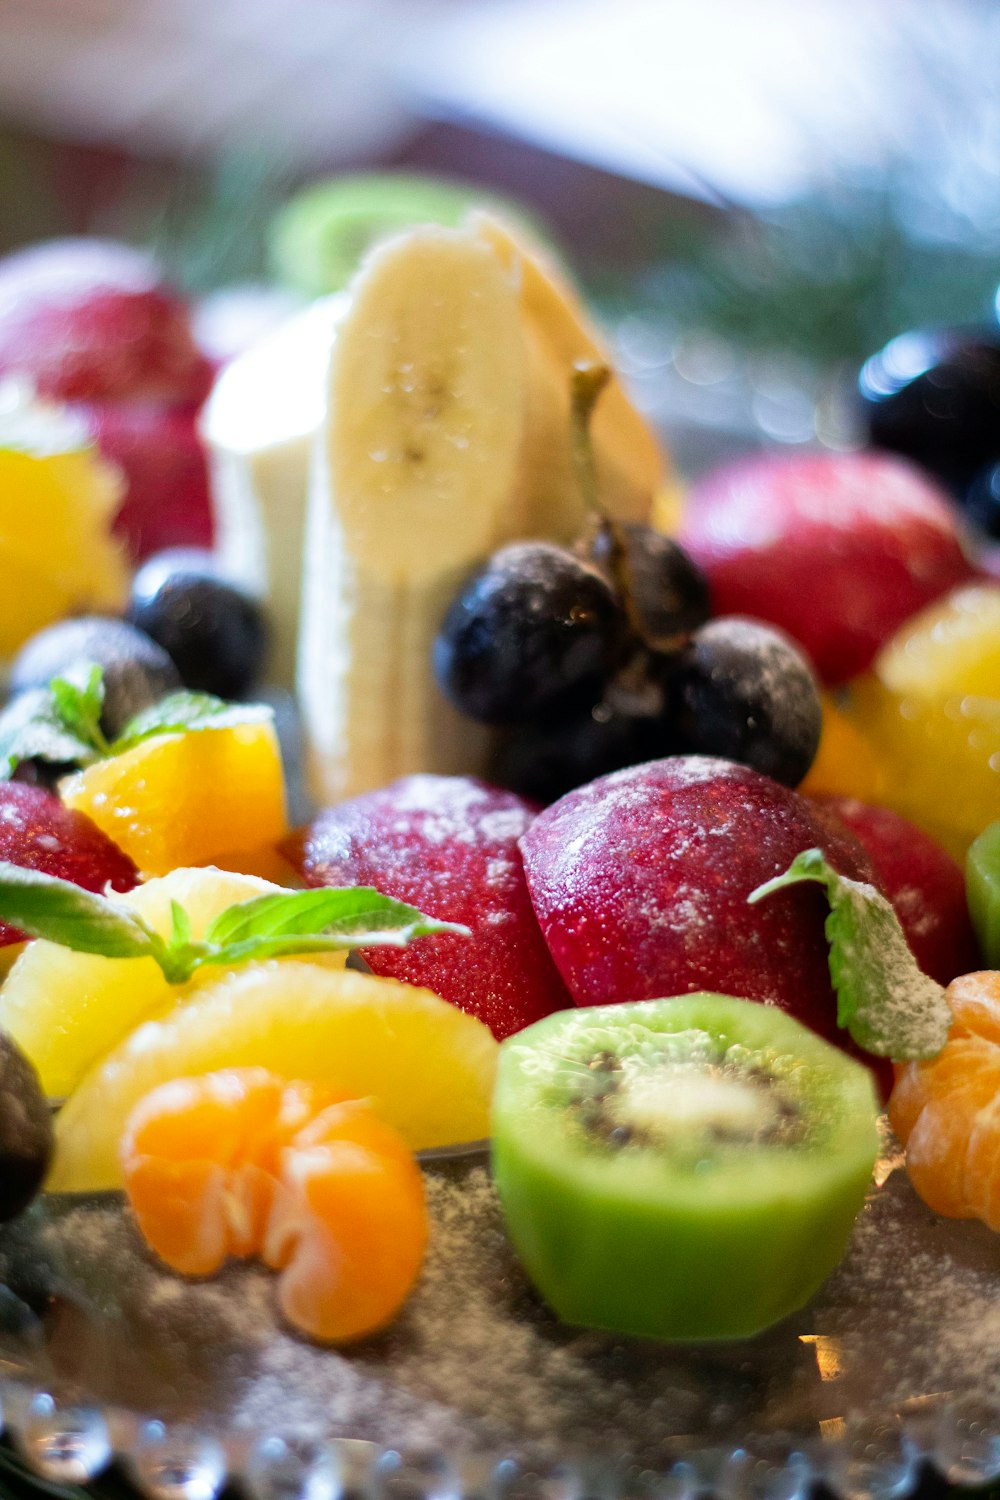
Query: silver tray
x=478 y=1391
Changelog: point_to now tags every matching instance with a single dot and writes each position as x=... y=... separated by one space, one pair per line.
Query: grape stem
x=589 y=380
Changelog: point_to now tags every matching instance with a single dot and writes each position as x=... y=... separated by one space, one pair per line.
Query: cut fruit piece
x=426 y=1068
x=941 y=755
x=238 y=1163
x=38 y=833
x=260 y=425
x=415 y=484
x=66 y=1009
x=640 y=882
x=951 y=648
x=982 y=875
x=448 y=845
x=319 y=237
x=946 y=1111
x=57 y=504
x=184 y=799
x=682 y=1169
x=845 y=764
x=631 y=468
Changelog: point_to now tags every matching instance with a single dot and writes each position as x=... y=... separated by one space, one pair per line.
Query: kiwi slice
x=682 y=1169
x=982 y=884
x=321 y=234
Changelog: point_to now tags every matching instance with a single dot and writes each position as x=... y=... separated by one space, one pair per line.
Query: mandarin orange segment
x=946 y=1111
x=187 y=799
x=981 y=1179
x=975 y=1002
x=349 y=1225
x=237 y=1163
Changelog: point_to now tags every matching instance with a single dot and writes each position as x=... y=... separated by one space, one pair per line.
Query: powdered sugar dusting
x=476 y=1362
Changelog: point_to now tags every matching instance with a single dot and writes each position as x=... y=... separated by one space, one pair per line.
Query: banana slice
x=415 y=481
x=630 y=464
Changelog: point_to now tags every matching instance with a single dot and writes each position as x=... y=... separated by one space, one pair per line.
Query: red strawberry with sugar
x=640 y=883
x=924 y=884
x=448 y=845
x=838 y=549
x=38 y=833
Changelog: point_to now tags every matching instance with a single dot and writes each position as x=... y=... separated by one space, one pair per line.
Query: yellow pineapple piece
x=66 y=1009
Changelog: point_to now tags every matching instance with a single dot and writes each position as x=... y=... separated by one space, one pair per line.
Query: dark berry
x=981 y=501
x=743 y=691
x=213 y=631
x=535 y=632
x=137 y=672
x=25 y=1130
x=627 y=726
x=933 y=395
x=670 y=592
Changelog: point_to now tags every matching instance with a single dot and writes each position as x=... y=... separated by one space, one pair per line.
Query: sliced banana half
x=630 y=463
x=415 y=481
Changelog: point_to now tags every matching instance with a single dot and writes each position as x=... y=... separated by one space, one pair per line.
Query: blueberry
x=630 y=724
x=933 y=395
x=137 y=672
x=981 y=501
x=535 y=632
x=744 y=691
x=25 y=1130
x=213 y=631
x=669 y=590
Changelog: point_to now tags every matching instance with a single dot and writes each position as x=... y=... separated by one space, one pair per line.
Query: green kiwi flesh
x=681 y=1169
x=321 y=235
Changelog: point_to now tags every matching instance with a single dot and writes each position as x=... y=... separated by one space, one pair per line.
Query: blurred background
x=755 y=197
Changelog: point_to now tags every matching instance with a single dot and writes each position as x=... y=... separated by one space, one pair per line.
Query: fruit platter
x=500 y=941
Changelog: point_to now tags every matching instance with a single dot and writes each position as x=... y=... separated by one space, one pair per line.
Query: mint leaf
x=32 y=729
x=182 y=712
x=316 y=922
x=286 y=923
x=341 y=910
x=61 y=912
x=889 y=1006
x=78 y=699
x=180 y=926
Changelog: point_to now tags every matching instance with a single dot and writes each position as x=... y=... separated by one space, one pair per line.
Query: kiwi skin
x=623 y=1240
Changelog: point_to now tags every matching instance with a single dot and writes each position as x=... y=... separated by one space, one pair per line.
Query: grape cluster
x=604 y=656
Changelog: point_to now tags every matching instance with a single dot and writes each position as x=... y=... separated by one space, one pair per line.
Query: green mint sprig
x=886 y=1002
x=61 y=723
x=272 y=926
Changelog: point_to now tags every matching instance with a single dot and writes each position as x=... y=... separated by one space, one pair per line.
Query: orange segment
x=237 y=1163
x=975 y=1001
x=846 y=764
x=946 y=1111
x=186 y=799
x=348 y=1227
x=427 y=1067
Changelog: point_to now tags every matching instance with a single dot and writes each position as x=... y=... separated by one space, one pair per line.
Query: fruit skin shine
x=640 y=883
x=626 y=1239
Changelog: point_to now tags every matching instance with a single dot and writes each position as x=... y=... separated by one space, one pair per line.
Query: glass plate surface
x=478 y=1390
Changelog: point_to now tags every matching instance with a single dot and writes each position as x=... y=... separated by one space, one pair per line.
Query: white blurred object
x=308 y=80
x=724 y=98
x=261 y=424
